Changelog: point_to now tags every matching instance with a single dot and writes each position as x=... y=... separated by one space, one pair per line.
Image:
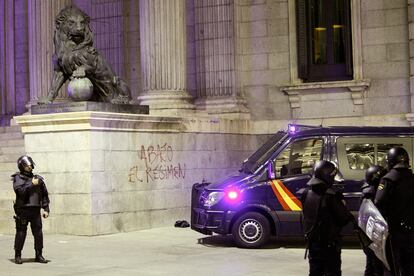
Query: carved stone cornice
x=356 y=88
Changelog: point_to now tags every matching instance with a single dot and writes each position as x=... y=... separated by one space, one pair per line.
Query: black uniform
x=29 y=200
x=394 y=199
x=373 y=266
x=324 y=216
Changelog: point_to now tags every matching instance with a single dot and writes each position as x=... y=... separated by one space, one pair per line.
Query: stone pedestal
x=114 y=172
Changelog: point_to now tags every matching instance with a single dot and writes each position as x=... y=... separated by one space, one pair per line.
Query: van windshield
x=263 y=153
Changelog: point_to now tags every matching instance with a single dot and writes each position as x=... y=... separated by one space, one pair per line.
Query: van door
x=293 y=168
x=356 y=154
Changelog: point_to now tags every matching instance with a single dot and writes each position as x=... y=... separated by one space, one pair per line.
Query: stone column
x=163 y=56
x=7 y=61
x=219 y=87
x=42 y=15
x=410 y=9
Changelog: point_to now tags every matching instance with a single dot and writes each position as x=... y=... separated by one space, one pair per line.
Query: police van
x=261 y=200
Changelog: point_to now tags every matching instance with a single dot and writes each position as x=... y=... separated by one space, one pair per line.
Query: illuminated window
x=324 y=40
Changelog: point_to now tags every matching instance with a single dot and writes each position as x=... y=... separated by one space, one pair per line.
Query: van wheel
x=251 y=230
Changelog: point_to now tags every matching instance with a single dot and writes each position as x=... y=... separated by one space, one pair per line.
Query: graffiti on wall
x=156 y=163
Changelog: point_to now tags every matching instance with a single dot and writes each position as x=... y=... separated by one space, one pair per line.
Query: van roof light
x=293 y=128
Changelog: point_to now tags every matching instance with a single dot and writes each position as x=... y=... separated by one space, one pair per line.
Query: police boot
x=18 y=257
x=39 y=258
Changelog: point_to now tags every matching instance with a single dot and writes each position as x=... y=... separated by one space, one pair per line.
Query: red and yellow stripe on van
x=288 y=201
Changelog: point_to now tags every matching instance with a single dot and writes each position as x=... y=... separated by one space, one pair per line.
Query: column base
x=168 y=103
x=229 y=108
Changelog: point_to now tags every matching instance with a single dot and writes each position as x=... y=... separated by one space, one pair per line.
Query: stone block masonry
x=113 y=172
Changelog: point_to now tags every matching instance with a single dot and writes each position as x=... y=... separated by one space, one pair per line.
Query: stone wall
x=109 y=173
x=264 y=43
x=385 y=54
x=381 y=65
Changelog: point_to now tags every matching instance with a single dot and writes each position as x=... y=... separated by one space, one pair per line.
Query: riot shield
x=375 y=227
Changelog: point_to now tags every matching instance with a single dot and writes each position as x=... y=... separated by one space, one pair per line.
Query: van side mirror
x=270 y=172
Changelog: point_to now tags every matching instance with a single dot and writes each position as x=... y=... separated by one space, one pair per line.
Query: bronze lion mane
x=75 y=56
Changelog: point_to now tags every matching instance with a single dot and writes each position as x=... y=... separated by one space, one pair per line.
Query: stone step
x=12 y=143
x=9 y=158
x=11 y=135
x=10 y=129
x=13 y=150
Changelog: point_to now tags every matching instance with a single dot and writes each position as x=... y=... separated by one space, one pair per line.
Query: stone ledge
x=89 y=106
x=107 y=121
x=355 y=87
x=91 y=120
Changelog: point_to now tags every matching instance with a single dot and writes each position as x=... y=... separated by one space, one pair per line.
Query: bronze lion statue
x=75 y=56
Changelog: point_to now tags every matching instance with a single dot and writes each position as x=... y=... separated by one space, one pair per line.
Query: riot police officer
x=324 y=216
x=373 y=174
x=394 y=198
x=31 y=196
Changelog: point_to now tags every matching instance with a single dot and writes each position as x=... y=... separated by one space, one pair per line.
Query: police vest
x=400 y=207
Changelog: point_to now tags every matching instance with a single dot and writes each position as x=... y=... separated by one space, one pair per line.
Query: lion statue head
x=72 y=30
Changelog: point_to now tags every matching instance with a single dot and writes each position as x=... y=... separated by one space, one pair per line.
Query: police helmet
x=397 y=157
x=25 y=161
x=374 y=174
x=326 y=171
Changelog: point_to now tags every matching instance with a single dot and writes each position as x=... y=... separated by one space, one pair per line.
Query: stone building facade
x=218 y=76
x=235 y=58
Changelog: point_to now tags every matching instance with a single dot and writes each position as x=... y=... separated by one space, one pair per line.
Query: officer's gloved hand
x=45 y=214
x=35 y=181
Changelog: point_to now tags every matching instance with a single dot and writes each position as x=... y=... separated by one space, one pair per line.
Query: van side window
x=360 y=156
x=299 y=157
x=356 y=154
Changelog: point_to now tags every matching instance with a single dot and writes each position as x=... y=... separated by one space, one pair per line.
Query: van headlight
x=213 y=198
